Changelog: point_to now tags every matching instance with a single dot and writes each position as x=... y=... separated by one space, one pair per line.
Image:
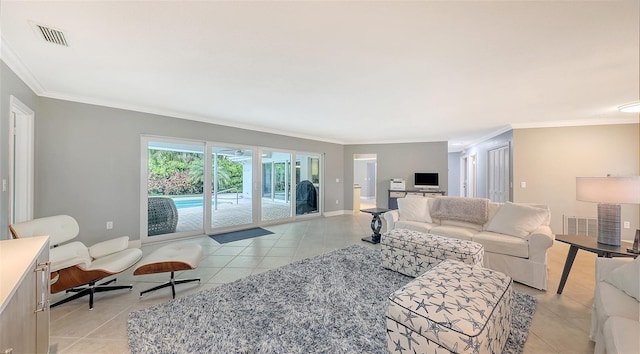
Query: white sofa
x=515 y=237
x=615 y=323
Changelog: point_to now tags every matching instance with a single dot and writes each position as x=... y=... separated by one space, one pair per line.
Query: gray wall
x=398 y=161
x=482 y=166
x=550 y=159
x=88 y=161
x=10 y=84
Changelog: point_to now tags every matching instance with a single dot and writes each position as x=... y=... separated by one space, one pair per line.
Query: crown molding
x=459 y=148
x=632 y=119
x=9 y=56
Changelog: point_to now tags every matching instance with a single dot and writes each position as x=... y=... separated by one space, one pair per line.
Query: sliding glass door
x=174 y=188
x=231 y=187
x=307 y=184
x=276 y=186
x=192 y=188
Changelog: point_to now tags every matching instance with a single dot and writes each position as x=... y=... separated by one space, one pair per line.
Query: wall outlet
x=337 y=202
x=109 y=225
x=626 y=225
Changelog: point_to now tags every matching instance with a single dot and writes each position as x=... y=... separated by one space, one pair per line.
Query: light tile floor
x=561 y=323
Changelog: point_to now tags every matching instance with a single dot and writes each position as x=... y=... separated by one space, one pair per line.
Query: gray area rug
x=333 y=303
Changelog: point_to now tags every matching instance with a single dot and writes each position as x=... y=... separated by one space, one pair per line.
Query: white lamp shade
x=610 y=190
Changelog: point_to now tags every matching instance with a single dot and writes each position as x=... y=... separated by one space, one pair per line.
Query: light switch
x=337 y=180
x=523 y=184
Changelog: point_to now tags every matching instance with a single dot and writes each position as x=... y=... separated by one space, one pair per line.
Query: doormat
x=240 y=235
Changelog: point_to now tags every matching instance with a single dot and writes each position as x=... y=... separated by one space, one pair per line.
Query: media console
x=394 y=195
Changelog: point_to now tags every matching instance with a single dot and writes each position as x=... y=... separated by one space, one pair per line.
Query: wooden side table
x=376 y=224
x=578 y=242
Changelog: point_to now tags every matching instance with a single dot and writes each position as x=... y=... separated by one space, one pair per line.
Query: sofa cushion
x=613 y=302
x=413 y=225
x=621 y=335
x=517 y=220
x=414 y=209
x=503 y=244
x=453 y=231
x=626 y=278
x=463 y=224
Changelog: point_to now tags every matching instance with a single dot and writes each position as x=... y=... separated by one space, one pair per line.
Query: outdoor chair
x=306 y=198
x=75 y=267
x=162 y=216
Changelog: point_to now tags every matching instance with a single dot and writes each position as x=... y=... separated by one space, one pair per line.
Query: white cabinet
x=24 y=295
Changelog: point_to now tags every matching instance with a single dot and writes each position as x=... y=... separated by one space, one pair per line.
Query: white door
x=21 y=156
x=472 y=184
x=464 y=176
x=499 y=178
x=468 y=176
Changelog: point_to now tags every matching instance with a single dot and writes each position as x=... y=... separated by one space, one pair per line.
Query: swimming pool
x=182 y=203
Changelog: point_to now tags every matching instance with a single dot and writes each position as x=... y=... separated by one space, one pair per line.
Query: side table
x=376 y=224
x=588 y=244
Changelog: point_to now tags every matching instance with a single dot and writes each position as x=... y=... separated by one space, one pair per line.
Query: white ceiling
x=345 y=71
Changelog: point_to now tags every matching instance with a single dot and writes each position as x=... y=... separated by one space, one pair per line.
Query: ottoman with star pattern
x=412 y=252
x=452 y=308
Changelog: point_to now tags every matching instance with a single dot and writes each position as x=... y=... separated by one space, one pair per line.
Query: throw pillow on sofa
x=414 y=209
x=517 y=220
x=626 y=278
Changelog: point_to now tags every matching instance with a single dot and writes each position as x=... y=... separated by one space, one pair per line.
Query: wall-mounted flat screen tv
x=426 y=180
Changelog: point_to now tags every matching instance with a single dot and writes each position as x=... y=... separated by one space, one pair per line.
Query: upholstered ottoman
x=454 y=307
x=170 y=258
x=413 y=252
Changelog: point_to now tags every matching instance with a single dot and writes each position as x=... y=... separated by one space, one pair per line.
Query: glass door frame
x=208 y=190
x=255 y=176
x=144 y=193
x=261 y=153
x=320 y=195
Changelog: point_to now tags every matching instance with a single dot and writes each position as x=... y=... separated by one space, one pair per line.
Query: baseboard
x=328 y=214
x=135 y=244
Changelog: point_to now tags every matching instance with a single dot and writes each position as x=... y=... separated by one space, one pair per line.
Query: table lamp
x=609 y=193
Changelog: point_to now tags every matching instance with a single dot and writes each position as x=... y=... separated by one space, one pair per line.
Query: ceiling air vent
x=52 y=35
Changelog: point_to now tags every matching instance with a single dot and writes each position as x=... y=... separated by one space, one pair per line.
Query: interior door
x=21 y=157
x=499 y=177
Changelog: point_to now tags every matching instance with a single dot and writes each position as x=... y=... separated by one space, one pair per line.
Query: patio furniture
x=306 y=198
x=162 y=216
